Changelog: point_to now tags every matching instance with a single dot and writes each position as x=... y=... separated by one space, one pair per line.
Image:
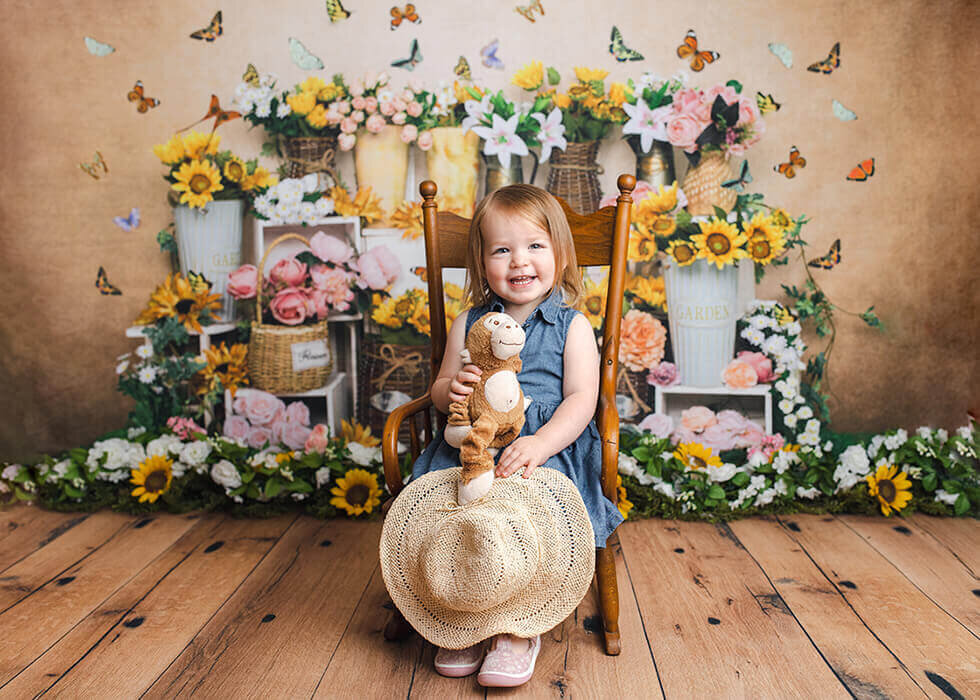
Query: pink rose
x=660 y=424
x=717 y=438
x=333 y=116
x=425 y=140
x=400 y=104
x=243 y=282
x=294 y=435
x=356 y=87
x=726 y=91
x=409 y=132
x=298 y=412
x=739 y=375
x=184 y=428
x=375 y=123
x=289 y=306
x=406 y=95
x=342 y=106
x=371 y=105
x=751 y=436
x=748 y=111
x=732 y=421
x=318 y=439
x=398 y=118
x=263 y=408
x=664 y=374
x=414 y=109
x=683 y=131
x=332 y=286
x=358 y=115
x=288 y=271
x=682 y=434
x=346 y=141
x=641 y=191
x=275 y=430
x=236 y=428
x=358 y=103
x=258 y=436
x=240 y=404
x=378 y=268
x=387 y=108
x=760 y=363
x=697 y=418
x=687 y=100
x=348 y=125
x=769 y=445
x=318 y=300
x=330 y=248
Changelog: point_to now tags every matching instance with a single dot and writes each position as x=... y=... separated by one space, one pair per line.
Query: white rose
x=194 y=453
x=723 y=473
x=322 y=477
x=362 y=455
x=810 y=493
x=11 y=471
x=945 y=497
x=225 y=474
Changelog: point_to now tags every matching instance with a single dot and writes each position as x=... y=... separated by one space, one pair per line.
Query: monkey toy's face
x=506 y=335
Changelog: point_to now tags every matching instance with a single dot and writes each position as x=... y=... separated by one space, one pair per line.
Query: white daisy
x=147 y=375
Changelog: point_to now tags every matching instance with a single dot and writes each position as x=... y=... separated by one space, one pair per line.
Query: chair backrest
x=601 y=238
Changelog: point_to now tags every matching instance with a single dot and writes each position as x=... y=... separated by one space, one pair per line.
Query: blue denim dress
x=541 y=379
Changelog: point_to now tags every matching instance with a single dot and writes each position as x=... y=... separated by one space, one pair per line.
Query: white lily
x=552 y=133
x=475 y=112
x=501 y=139
x=648 y=124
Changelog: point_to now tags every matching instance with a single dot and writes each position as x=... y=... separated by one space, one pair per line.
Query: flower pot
x=656 y=166
x=702 y=302
x=311 y=154
x=381 y=162
x=702 y=185
x=498 y=176
x=209 y=242
x=574 y=176
x=453 y=163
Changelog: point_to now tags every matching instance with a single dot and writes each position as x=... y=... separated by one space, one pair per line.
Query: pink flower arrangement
x=726 y=430
x=716 y=119
x=261 y=419
x=373 y=106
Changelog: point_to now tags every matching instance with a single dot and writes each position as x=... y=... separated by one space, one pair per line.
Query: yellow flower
x=363 y=204
x=356 y=492
x=593 y=303
x=530 y=77
x=177 y=297
x=562 y=100
x=355 y=432
x=235 y=170
x=643 y=245
x=453 y=291
x=893 y=492
x=318 y=117
x=696 y=456
x=284 y=458
x=312 y=84
x=622 y=503
x=420 y=319
x=152 y=478
x=384 y=313
x=651 y=291
x=408 y=217
x=617 y=93
x=579 y=92
x=719 y=242
x=682 y=252
x=661 y=200
x=781 y=219
x=302 y=103
x=462 y=94
x=198 y=180
x=225 y=365
x=763 y=248
x=589 y=74
x=171 y=152
x=454 y=307
x=259 y=180
x=198 y=145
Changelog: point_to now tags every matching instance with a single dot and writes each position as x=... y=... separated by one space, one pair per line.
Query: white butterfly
x=783 y=53
x=302 y=57
x=97 y=48
x=842 y=112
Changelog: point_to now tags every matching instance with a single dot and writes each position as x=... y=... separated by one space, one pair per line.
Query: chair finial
x=625 y=182
x=428 y=189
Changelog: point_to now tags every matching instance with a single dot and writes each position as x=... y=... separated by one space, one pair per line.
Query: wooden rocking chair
x=601 y=238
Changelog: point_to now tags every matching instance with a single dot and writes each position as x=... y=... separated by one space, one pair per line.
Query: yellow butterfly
x=336 y=11
x=90 y=168
x=462 y=69
x=251 y=76
x=528 y=10
x=766 y=103
x=210 y=32
x=104 y=286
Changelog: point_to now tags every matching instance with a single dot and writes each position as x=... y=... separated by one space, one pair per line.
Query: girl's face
x=518 y=259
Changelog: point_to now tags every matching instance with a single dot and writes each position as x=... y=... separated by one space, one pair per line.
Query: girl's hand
x=529 y=452
x=461 y=385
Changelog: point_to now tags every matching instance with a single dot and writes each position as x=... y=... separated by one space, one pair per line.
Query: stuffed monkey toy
x=492 y=416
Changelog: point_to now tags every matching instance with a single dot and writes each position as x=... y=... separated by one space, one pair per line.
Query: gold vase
x=656 y=166
x=381 y=162
x=453 y=163
x=702 y=185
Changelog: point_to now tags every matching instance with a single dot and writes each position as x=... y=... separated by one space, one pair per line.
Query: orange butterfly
x=828 y=64
x=862 y=171
x=409 y=13
x=103 y=285
x=795 y=161
x=210 y=32
x=828 y=261
x=422 y=272
x=136 y=95
x=690 y=49
x=220 y=115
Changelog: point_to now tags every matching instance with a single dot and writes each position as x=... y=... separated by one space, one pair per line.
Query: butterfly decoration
x=744 y=177
x=142 y=103
x=302 y=57
x=414 y=58
x=766 y=103
x=104 y=286
x=210 y=32
x=862 y=171
x=128 y=223
x=97 y=48
x=528 y=10
x=92 y=167
x=783 y=53
x=488 y=55
x=689 y=49
x=336 y=11
x=199 y=283
x=796 y=161
x=827 y=65
x=618 y=49
x=422 y=272
x=398 y=15
x=842 y=112
x=462 y=69
x=251 y=76
x=220 y=115
x=830 y=260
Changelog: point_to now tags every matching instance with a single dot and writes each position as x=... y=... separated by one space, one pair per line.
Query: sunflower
x=420 y=319
x=152 y=478
x=198 y=180
x=355 y=432
x=235 y=170
x=651 y=291
x=453 y=291
x=562 y=100
x=198 y=145
x=259 y=180
x=682 y=251
x=530 y=77
x=624 y=505
x=176 y=297
x=587 y=75
x=328 y=94
x=356 y=492
x=893 y=491
x=579 y=92
x=617 y=93
x=765 y=241
x=719 y=242
x=408 y=217
x=642 y=246
x=171 y=152
x=696 y=456
x=227 y=365
x=453 y=307
x=654 y=226
x=384 y=313
x=662 y=200
x=593 y=303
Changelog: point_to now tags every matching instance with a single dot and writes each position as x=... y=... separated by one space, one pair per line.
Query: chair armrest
x=389 y=440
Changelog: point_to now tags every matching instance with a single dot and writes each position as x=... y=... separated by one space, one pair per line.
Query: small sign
x=310 y=355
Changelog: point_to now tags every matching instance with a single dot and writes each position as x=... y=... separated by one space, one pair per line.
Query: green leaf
x=930 y=481
x=300 y=486
x=721 y=213
x=961 y=505
x=272 y=487
x=268 y=149
x=554 y=77
x=168 y=244
x=871 y=318
x=740 y=479
x=716 y=492
x=72 y=491
x=735 y=84
x=642 y=454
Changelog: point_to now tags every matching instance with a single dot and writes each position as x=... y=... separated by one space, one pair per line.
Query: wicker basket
x=702 y=185
x=634 y=386
x=270 y=347
x=387 y=367
x=574 y=176
x=311 y=154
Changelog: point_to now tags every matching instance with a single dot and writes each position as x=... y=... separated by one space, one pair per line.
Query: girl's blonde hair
x=539 y=208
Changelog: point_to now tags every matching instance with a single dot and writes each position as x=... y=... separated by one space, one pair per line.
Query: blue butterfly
x=745 y=177
x=489 y=55
x=128 y=223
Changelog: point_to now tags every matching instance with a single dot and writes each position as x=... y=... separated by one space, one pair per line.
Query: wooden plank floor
x=107 y=605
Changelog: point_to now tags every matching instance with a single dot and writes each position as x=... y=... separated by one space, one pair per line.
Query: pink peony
x=760 y=363
x=330 y=248
x=346 y=141
x=769 y=445
x=342 y=106
x=318 y=439
x=739 y=375
x=275 y=430
x=184 y=428
x=358 y=102
x=334 y=285
x=660 y=424
x=243 y=282
x=370 y=105
x=289 y=306
x=358 y=115
x=642 y=338
x=240 y=404
x=236 y=427
x=294 y=435
x=698 y=418
x=387 y=108
x=298 y=412
x=263 y=408
x=348 y=125
x=425 y=140
x=748 y=111
x=409 y=132
x=378 y=268
x=664 y=374
x=683 y=131
x=258 y=436
x=288 y=271
x=717 y=438
x=682 y=434
x=399 y=118
x=726 y=91
x=414 y=109
x=400 y=104
x=318 y=303
x=375 y=123
x=751 y=436
x=687 y=100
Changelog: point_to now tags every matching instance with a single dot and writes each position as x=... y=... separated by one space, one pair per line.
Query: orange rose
x=641 y=340
x=739 y=374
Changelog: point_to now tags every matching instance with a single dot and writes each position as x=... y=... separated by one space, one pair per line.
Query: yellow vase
x=702 y=185
x=453 y=163
x=381 y=162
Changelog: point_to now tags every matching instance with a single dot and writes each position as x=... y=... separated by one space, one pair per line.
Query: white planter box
x=754 y=403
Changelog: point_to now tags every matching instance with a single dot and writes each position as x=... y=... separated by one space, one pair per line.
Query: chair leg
x=605 y=571
x=397 y=628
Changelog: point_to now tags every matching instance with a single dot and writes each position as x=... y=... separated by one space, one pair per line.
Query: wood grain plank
x=716 y=625
x=961 y=536
x=147 y=624
x=40 y=619
x=928 y=564
x=936 y=650
x=277 y=633
x=27 y=528
x=859 y=659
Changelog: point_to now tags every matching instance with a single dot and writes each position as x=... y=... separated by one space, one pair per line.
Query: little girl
x=521 y=261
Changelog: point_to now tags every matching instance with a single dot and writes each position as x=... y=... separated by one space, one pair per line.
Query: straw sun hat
x=518 y=561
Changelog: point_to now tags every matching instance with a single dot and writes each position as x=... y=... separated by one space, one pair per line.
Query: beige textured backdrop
x=909 y=236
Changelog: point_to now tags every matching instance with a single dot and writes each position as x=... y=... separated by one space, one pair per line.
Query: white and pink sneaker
x=505 y=668
x=456 y=663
